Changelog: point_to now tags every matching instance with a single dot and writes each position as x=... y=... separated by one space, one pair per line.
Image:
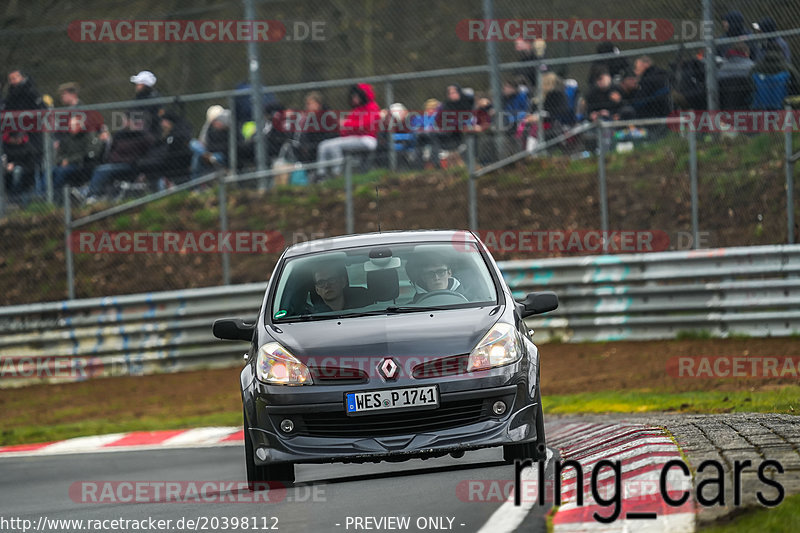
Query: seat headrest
x=383 y=285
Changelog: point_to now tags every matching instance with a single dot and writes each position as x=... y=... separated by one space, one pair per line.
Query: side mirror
x=539 y=302
x=233 y=329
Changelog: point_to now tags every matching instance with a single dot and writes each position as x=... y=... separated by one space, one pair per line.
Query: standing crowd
x=154 y=146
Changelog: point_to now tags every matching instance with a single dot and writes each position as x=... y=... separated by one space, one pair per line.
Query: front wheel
x=537 y=450
x=259 y=476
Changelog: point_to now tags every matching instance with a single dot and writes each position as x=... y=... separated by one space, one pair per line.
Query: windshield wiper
x=413 y=308
x=301 y=318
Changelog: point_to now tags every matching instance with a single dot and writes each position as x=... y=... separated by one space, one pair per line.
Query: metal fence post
x=256 y=97
x=348 y=195
x=693 y=184
x=601 y=179
x=539 y=108
x=473 y=193
x=710 y=54
x=48 y=166
x=789 y=149
x=392 y=151
x=3 y=199
x=68 y=244
x=223 y=228
x=494 y=83
x=233 y=139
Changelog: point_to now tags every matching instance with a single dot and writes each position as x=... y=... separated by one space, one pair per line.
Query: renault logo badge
x=388 y=369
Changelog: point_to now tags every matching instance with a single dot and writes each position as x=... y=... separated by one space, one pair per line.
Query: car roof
x=372 y=239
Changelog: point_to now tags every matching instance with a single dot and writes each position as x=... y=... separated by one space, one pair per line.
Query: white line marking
x=508 y=516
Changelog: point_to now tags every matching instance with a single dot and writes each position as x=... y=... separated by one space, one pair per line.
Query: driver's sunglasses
x=437 y=273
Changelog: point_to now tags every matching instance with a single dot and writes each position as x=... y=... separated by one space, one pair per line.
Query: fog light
x=499 y=408
x=287 y=425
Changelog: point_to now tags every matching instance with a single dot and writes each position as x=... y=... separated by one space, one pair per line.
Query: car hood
x=429 y=334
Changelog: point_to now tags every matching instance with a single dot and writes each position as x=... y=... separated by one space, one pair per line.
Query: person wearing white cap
x=144 y=78
x=145 y=82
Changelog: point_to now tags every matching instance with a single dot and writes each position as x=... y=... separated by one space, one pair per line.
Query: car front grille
x=448 y=415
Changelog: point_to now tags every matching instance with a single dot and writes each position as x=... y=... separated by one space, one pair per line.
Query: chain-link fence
x=132 y=143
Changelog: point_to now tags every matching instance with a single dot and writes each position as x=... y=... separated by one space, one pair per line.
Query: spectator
x=145 y=82
x=615 y=66
x=689 y=83
x=774 y=79
x=427 y=131
x=768 y=25
x=557 y=113
x=313 y=127
x=530 y=51
x=212 y=113
x=653 y=97
x=276 y=131
x=210 y=149
x=735 y=80
x=450 y=120
x=556 y=104
x=24 y=96
x=170 y=158
x=77 y=150
x=403 y=128
x=515 y=105
x=22 y=93
x=68 y=94
x=628 y=87
x=19 y=161
x=734 y=25
x=358 y=130
x=128 y=145
x=484 y=115
x=243 y=108
x=603 y=100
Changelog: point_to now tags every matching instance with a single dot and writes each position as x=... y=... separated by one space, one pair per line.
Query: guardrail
x=753 y=291
x=747 y=291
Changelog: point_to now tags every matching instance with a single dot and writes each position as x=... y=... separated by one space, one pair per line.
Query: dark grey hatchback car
x=388 y=346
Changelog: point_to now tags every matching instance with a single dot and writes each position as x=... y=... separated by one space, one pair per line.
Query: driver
x=432 y=273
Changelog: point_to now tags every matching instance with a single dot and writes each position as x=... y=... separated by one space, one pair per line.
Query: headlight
x=276 y=366
x=500 y=346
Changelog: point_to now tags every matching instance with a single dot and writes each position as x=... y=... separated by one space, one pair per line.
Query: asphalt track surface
x=325 y=497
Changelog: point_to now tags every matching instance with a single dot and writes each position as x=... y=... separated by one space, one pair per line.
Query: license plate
x=360 y=402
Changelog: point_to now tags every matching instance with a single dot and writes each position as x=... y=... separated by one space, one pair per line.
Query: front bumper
x=307 y=445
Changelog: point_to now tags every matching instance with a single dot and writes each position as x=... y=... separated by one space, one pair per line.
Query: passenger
x=332 y=287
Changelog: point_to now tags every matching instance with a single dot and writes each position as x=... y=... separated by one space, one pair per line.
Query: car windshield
x=392 y=278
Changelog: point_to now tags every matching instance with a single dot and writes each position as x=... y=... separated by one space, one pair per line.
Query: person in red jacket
x=358 y=131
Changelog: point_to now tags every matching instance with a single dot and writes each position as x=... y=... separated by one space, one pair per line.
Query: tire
x=536 y=450
x=259 y=476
